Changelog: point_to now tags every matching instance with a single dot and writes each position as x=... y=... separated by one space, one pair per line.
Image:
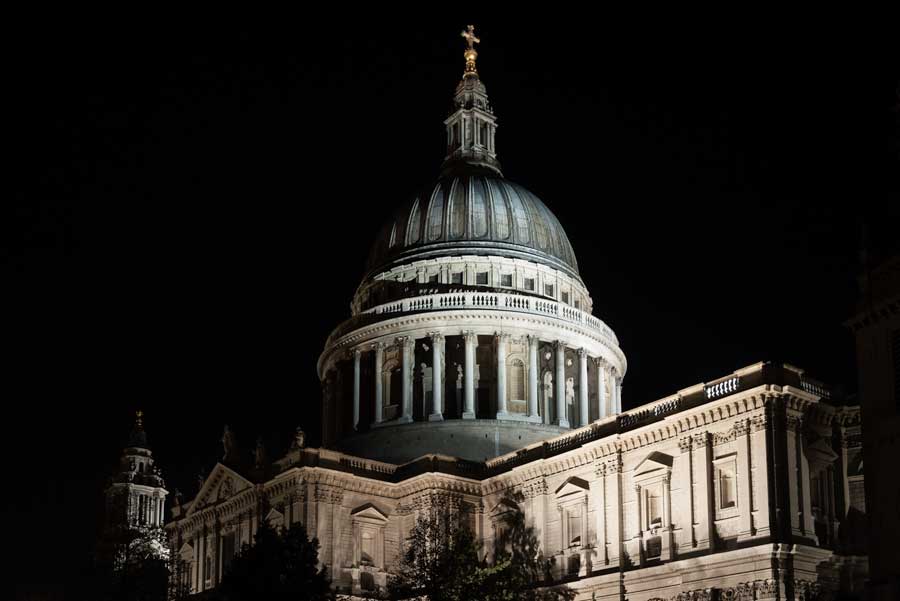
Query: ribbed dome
x=481 y=214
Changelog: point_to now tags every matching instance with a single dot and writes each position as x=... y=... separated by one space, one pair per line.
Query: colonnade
x=145 y=509
x=607 y=404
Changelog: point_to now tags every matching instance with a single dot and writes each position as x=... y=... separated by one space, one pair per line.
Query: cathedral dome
x=473 y=212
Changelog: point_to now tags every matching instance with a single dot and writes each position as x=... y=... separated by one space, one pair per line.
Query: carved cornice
x=534 y=488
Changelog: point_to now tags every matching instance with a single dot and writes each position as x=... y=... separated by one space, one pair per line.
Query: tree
x=526 y=573
x=443 y=560
x=279 y=565
x=132 y=564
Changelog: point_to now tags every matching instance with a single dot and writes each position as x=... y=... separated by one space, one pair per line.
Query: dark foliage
x=441 y=560
x=279 y=565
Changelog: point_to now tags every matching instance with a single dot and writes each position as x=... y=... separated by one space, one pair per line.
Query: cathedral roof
x=472 y=209
x=467 y=212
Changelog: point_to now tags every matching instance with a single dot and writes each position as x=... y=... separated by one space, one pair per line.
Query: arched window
x=412 y=228
x=516 y=380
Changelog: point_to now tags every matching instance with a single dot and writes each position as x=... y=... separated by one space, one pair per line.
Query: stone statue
x=299 y=439
x=228 y=444
x=259 y=455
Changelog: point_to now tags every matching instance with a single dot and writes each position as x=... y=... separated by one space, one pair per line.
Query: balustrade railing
x=494 y=300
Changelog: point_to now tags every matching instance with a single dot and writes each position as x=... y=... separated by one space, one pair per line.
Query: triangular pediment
x=653 y=462
x=369 y=511
x=504 y=506
x=821 y=451
x=275 y=517
x=572 y=486
x=221 y=484
x=186 y=550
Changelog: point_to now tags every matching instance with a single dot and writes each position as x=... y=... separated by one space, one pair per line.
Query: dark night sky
x=192 y=208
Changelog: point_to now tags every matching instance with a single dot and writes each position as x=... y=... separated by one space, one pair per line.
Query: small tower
x=136 y=495
x=472 y=126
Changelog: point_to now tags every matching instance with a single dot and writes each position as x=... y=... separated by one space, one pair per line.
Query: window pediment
x=572 y=487
x=504 y=506
x=369 y=512
x=654 y=464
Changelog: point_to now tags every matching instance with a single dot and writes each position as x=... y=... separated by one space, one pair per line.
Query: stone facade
x=727 y=488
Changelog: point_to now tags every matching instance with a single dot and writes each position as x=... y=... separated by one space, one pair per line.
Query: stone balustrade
x=496 y=301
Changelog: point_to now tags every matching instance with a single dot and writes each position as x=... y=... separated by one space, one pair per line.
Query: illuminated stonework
x=471 y=365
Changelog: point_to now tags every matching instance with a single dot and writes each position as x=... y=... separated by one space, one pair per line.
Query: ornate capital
x=356 y=353
x=436 y=337
x=685 y=444
x=614 y=464
x=501 y=337
x=470 y=337
x=582 y=353
x=600 y=362
x=759 y=422
x=379 y=345
x=794 y=422
x=701 y=439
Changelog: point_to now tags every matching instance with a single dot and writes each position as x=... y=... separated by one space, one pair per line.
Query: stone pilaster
x=703 y=491
x=760 y=460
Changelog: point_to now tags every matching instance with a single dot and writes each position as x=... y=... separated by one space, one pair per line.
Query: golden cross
x=469 y=34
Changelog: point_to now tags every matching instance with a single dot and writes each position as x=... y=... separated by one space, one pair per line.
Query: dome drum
x=512 y=368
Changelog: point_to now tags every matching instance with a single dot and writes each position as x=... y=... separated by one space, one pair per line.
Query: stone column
x=561 y=418
x=618 y=382
x=437 y=377
x=471 y=344
x=533 y=376
x=500 y=342
x=356 y=356
x=379 y=382
x=407 y=347
x=583 y=408
x=602 y=400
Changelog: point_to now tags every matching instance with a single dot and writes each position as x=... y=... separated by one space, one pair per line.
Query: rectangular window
x=578 y=304
x=456 y=278
x=481 y=278
x=727 y=487
x=574 y=517
x=565 y=297
x=529 y=283
x=654 y=507
x=548 y=289
x=433 y=278
x=506 y=280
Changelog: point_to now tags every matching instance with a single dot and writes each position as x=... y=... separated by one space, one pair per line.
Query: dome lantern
x=472 y=127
